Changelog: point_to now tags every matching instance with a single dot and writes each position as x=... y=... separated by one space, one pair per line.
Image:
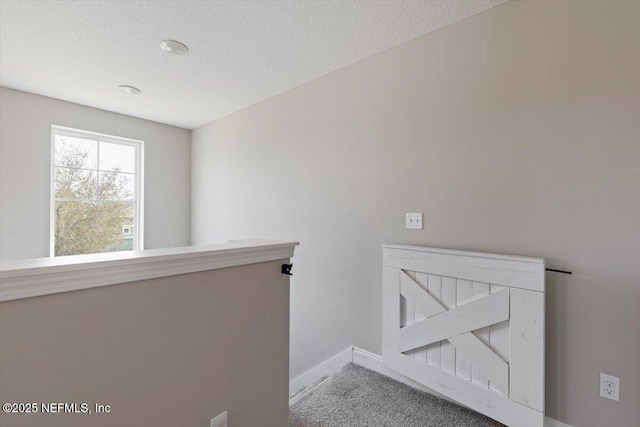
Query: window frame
x=138 y=221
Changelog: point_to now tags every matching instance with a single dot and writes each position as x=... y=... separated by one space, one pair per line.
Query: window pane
x=117 y=157
x=76 y=152
x=75 y=183
x=116 y=186
x=84 y=227
x=125 y=241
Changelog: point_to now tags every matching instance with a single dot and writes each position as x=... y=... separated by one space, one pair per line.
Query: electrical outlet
x=610 y=387
x=414 y=221
x=219 y=421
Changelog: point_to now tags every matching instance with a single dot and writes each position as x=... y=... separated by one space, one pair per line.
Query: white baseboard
x=373 y=362
x=326 y=368
x=550 y=422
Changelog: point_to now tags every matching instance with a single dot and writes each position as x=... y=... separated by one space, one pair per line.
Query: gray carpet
x=356 y=396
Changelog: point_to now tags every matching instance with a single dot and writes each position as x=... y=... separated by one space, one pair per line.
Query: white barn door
x=469 y=326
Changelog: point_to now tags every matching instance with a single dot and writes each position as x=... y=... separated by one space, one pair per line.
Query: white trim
x=372 y=362
x=465 y=253
x=328 y=367
x=139 y=219
x=550 y=422
x=43 y=276
x=81 y=133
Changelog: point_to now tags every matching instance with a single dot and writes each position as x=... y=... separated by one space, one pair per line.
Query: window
x=96 y=197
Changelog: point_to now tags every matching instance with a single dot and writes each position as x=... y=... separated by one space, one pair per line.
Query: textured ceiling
x=241 y=52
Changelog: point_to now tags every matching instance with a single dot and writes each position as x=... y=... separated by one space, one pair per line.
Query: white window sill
x=43 y=276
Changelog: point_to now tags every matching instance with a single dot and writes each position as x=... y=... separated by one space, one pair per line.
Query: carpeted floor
x=356 y=396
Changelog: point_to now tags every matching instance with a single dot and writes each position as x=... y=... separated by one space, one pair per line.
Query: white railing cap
x=42 y=276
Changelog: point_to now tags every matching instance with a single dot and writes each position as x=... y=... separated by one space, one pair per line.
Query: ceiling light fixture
x=174 y=47
x=130 y=90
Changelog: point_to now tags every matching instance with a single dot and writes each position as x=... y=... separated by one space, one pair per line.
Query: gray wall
x=25 y=150
x=515 y=131
x=167 y=352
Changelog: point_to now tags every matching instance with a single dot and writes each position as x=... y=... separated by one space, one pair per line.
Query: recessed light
x=130 y=90
x=174 y=47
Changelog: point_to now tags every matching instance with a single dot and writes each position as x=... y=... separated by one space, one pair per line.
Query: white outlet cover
x=610 y=387
x=219 y=421
x=413 y=221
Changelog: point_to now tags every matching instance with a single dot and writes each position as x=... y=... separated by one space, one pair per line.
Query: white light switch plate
x=414 y=221
x=220 y=420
